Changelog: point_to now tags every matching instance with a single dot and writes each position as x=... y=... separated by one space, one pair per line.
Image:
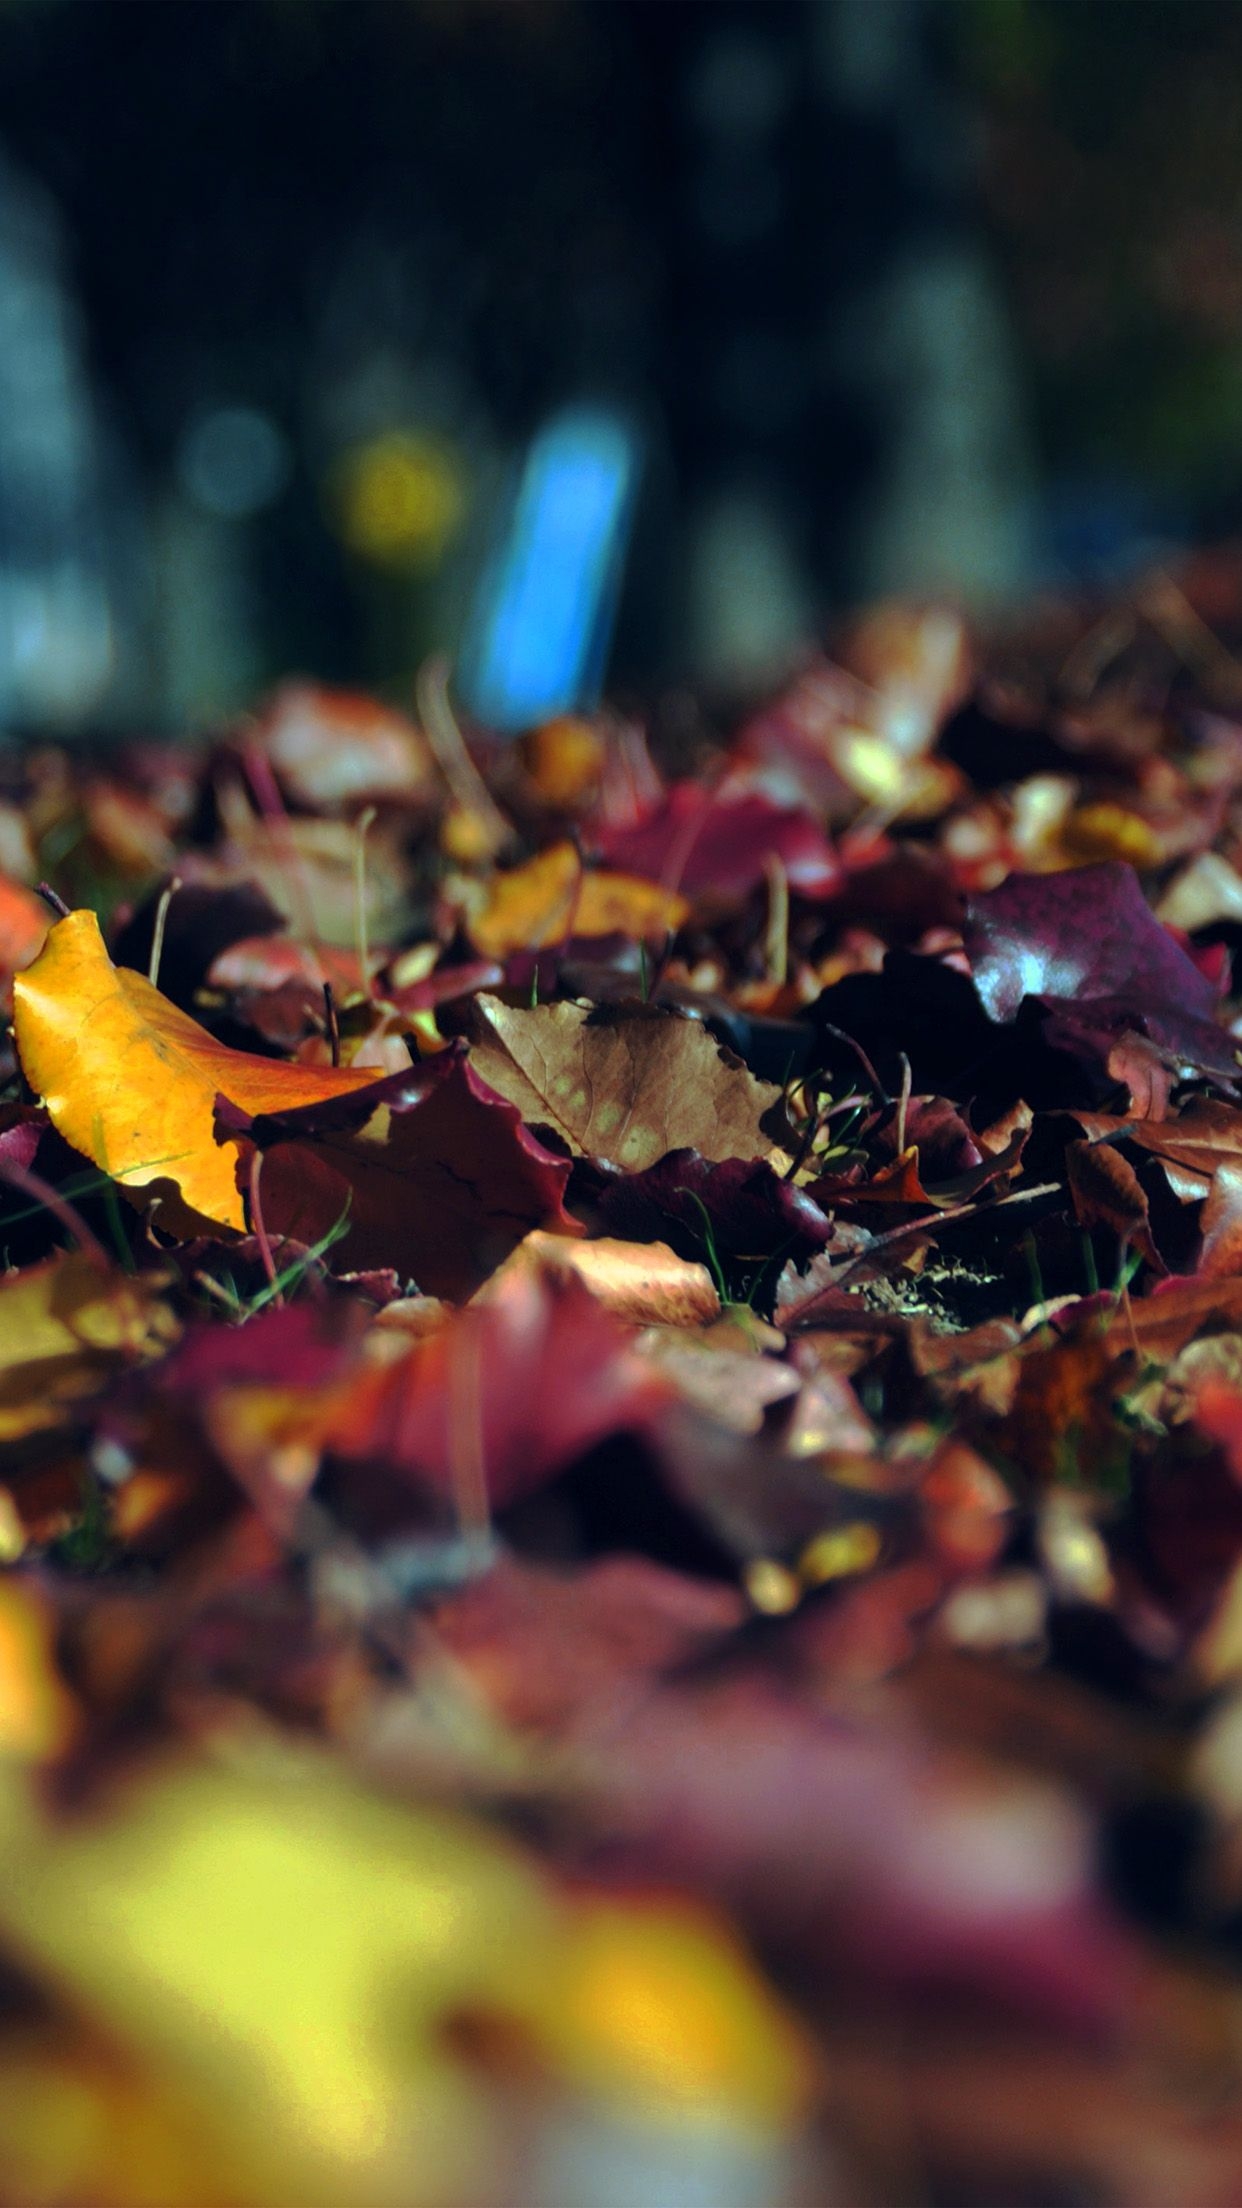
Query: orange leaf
x=131 y=1082
x=552 y=897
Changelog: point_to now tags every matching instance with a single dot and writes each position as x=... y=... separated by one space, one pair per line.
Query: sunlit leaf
x=131 y=1082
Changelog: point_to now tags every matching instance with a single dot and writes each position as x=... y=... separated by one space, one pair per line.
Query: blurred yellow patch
x=467 y=835
x=36 y=1714
x=401 y=499
x=552 y=896
x=1106 y=831
x=285 y=1949
x=659 y=2007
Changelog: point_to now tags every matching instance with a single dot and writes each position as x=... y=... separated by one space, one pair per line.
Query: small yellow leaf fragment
x=551 y=896
x=839 y=1554
x=772 y=1588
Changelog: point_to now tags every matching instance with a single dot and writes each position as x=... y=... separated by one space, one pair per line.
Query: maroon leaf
x=301 y=1346
x=751 y=1211
x=505 y=1394
x=435 y=1174
x=706 y=841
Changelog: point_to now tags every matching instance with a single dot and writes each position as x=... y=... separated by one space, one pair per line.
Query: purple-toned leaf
x=1086 y=945
x=21 y=1131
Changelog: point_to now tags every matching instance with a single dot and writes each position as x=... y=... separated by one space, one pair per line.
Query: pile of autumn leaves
x=609 y=1372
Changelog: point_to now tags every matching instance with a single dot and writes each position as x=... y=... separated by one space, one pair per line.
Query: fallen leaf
x=131 y=1082
x=750 y=1210
x=339 y=747
x=627 y=1084
x=719 y=842
x=428 y=1171
x=553 y=896
x=503 y=1396
x=1107 y=1192
x=642 y=1282
x=1087 y=946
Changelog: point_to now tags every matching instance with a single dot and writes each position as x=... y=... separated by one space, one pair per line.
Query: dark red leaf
x=751 y=1211
x=507 y=1392
x=703 y=841
x=434 y=1173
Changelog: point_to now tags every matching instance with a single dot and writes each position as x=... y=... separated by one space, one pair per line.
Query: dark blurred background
x=299 y=297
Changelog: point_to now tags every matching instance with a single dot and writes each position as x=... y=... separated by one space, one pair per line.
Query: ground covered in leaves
x=621 y=1443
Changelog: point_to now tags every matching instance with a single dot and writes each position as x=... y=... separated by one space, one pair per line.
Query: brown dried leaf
x=1107 y=1192
x=625 y=1083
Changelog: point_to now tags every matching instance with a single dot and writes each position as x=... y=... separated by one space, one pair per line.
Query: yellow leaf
x=552 y=897
x=65 y=1327
x=131 y=1081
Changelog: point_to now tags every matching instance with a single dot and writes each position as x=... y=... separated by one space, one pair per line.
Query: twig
x=259 y=1230
x=333 y=1024
x=360 y=897
x=903 y=1102
x=466 y=785
x=157 y=935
